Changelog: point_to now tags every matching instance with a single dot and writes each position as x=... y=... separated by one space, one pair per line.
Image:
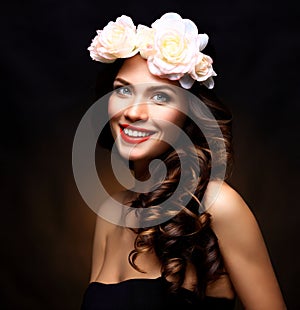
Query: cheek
x=111 y=108
x=175 y=117
x=113 y=115
x=114 y=112
x=172 y=129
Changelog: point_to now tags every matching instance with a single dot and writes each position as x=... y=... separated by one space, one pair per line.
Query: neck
x=141 y=170
x=144 y=180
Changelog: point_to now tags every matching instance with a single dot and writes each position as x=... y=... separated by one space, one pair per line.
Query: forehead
x=135 y=71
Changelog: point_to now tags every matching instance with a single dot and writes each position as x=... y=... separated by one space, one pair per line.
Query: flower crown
x=172 y=48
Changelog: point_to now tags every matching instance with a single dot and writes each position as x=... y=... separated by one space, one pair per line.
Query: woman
x=204 y=247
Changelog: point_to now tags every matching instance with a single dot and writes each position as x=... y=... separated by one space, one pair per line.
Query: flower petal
x=186 y=81
x=203 y=40
x=209 y=83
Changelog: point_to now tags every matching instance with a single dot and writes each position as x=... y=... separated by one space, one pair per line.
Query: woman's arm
x=245 y=254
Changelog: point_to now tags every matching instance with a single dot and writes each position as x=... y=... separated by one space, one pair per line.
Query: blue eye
x=124 y=90
x=161 y=98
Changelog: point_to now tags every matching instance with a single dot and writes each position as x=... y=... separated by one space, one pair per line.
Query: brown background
x=48 y=79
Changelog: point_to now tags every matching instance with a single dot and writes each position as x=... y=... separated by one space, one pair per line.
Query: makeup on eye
x=161 y=98
x=154 y=93
x=122 y=90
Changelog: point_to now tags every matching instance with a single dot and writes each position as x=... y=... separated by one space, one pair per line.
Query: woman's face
x=143 y=110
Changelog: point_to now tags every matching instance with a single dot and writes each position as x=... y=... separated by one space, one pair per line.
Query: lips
x=134 y=135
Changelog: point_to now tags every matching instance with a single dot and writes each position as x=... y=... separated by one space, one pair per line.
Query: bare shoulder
x=243 y=248
x=230 y=213
x=225 y=203
x=232 y=220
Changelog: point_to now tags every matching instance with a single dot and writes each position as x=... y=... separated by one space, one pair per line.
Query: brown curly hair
x=187 y=237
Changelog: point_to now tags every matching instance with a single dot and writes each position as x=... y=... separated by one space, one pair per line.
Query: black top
x=147 y=294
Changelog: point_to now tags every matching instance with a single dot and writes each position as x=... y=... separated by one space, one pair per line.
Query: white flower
x=116 y=40
x=172 y=47
x=176 y=43
x=203 y=70
x=145 y=41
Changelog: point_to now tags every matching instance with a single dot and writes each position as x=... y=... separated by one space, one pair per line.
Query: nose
x=137 y=112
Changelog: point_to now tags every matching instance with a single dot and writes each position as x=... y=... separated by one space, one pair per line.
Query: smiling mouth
x=133 y=134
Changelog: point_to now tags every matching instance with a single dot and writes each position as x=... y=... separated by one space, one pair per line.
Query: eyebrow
x=150 y=88
x=124 y=82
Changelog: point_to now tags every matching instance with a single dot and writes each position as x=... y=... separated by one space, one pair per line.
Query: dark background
x=47 y=86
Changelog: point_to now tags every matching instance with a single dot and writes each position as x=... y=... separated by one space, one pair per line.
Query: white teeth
x=135 y=133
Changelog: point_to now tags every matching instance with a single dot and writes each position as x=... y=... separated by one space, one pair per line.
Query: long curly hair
x=187 y=237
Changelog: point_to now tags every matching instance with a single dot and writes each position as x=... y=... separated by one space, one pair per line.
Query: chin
x=134 y=155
